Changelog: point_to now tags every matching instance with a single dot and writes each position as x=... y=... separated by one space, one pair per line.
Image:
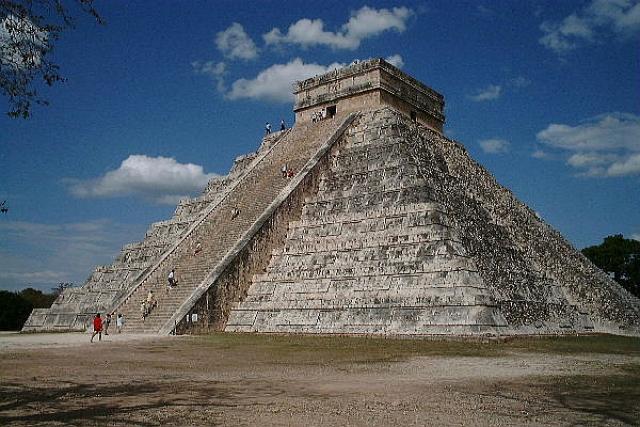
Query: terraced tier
x=222 y=227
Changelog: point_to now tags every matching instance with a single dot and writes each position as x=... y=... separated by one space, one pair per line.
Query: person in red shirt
x=97 y=327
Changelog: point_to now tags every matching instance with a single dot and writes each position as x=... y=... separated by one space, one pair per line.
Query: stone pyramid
x=387 y=227
x=407 y=235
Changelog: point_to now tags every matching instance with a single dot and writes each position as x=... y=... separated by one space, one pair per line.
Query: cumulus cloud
x=364 y=23
x=605 y=145
x=215 y=70
x=596 y=20
x=159 y=179
x=235 y=43
x=275 y=83
x=395 y=60
x=41 y=255
x=539 y=154
x=489 y=93
x=636 y=236
x=494 y=146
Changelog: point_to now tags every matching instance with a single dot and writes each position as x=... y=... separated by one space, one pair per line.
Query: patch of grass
x=605 y=398
x=602 y=344
x=311 y=349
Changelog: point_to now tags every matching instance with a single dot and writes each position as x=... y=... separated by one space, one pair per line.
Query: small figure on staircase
x=172 y=278
x=151 y=302
x=198 y=249
x=284 y=170
x=119 y=322
x=267 y=129
x=97 y=327
x=235 y=212
x=290 y=173
x=143 y=309
x=283 y=126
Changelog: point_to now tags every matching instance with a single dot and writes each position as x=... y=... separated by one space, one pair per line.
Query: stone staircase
x=210 y=240
x=369 y=255
x=109 y=284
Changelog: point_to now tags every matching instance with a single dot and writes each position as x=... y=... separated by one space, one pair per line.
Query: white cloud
x=235 y=43
x=590 y=24
x=605 y=145
x=395 y=60
x=489 y=93
x=364 y=23
x=636 y=236
x=626 y=166
x=539 y=154
x=42 y=255
x=601 y=133
x=494 y=146
x=275 y=83
x=212 y=69
x=159 y=179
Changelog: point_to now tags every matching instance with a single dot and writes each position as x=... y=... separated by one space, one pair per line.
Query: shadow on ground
x=136 y=404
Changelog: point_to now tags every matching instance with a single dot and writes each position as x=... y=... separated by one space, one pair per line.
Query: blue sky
x=544 y=94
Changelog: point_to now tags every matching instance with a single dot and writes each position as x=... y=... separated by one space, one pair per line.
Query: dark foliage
x=37 y=298
x=15 y=307
x=621 y=258
x=14 y=311
x=28 y=32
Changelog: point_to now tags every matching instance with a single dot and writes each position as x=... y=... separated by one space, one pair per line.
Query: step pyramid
x=407 y=235
x=387 y=227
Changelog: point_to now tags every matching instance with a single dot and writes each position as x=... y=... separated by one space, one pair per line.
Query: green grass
x=307 y=349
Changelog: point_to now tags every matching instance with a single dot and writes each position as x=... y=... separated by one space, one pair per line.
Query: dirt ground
x=249 y=380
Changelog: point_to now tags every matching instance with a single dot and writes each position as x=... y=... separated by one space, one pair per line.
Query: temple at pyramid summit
x=363 y=218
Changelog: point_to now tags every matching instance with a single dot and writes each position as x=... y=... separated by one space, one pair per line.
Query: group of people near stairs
x=267 y=127
x=150 y=303
x=100 y=326
x=146 y=306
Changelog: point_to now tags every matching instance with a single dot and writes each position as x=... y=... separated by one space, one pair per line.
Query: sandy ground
x=248 y=380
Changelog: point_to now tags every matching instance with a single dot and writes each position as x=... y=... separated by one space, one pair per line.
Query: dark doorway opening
x=414 y=116
x=331 y=111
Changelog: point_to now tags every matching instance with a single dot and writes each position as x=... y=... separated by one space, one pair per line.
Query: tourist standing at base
x=107 y=322
x=119 y=322
x=97 y=327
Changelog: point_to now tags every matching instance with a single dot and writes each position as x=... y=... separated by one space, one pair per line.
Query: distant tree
x=37 y=298
x=621 y=258
x=14 y=311
x=60 y=287
x=28 y=32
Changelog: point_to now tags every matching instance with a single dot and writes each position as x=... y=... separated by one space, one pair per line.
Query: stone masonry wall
x=541 y=282
x=408 y=235
x=75 y=307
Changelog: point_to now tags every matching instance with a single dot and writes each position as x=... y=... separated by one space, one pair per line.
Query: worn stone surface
x=387 y=227
x=408 y=235
x=108 y=285
x=369 y=85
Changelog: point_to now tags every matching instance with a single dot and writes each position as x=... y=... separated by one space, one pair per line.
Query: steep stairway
x=370 y=253
x=200 y=250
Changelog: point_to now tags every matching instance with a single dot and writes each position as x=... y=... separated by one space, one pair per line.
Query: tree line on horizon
x=15 y=307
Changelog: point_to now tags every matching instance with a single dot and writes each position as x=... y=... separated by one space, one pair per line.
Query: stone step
x=219 y=232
